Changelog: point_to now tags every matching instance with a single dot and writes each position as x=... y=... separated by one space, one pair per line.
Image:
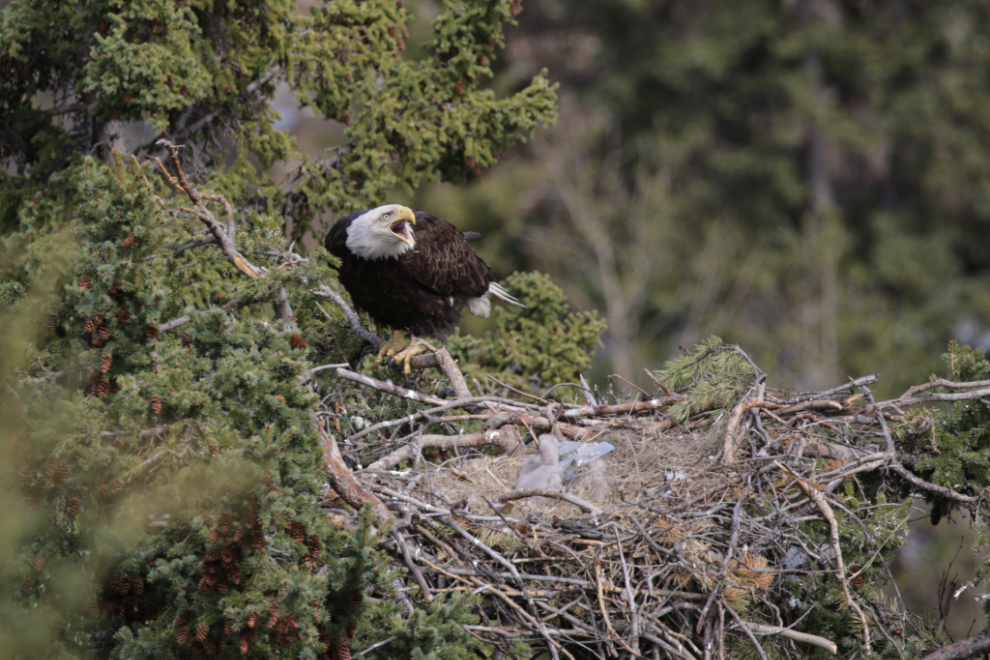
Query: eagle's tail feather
x=501 y=294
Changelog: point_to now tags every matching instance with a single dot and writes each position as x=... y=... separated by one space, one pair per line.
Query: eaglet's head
x=382 y=233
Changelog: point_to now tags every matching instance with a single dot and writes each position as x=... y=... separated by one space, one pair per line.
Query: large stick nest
x=726 y=508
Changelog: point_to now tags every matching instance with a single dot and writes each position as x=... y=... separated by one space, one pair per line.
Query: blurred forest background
x=807 y=178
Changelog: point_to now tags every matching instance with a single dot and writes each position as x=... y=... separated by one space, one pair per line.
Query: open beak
x=401 y=226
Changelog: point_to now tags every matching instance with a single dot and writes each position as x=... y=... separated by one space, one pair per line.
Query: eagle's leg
x=415 y=347
x=392 y=348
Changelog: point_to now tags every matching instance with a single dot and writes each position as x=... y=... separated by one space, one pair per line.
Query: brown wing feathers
x=422 y=290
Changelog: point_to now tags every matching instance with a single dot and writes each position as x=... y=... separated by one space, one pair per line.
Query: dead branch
x=224 y=235
x=807 y=638
x=342 y=480
x=567 y=497
x=507 y=438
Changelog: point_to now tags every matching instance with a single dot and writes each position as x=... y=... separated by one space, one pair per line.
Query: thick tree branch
x=967 y=648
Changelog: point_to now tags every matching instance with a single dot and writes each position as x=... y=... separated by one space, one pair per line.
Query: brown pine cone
x=156 y=404
x=51 y=321
x=226 y=520
x=124 y=315
x=114 y=387
x=105 y=362
x=90 y=324
x=128 y=242
x=182 y=637
x=184 y=618
x=212 y=647
x=137 y=586
x=94 y=378
x=344 y=651
x=356 y=598
x=297 y=341
x=205 y=586
x=101 y=389
x=49 y=467
x=202 y=630
x=104 y=332
x=298 y=532
x=119 y=585
x=151 y=332
x=459 y=87
x=116 y=485
x=72 y=506
x=38 y=564
x=84 y=282
x=222 y=587
x=244 y=646
x=27 y=586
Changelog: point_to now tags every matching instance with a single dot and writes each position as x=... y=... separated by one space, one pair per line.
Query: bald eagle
x=412 y=272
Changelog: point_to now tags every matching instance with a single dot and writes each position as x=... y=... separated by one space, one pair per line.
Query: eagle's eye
x=386 y=216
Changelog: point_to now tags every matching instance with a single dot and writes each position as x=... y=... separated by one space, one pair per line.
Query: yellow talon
x=392 y=348
x=406 y=355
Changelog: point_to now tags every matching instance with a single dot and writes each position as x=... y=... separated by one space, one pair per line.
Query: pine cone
x=297 y=341
x=114 y=387
x=226 y=520
x=27 y=586
x=116 y=293
x=84 y=282
x=212 y=647
x=298 y=532
x=313 y=543
x=119 y=585
x=156 y=404
x=137 y=586
x=252 y=619
x=49 y=467
x=100 y=492
x=357 y=599
x=459 y=87
x=105 y=362
x=124 y=315
x=227 y=556
x=104 y=332
x=151 y=332
x=101 y=389
x=38 y=564
x=51 y=321
x=222 y=588
x=244 y=646
x=183 y=636
x=94 y=377
x=202 y=630
x=184 y=618
x=185 y=341
x=214 y=536
x=128 y=242
x=72 y=506
x=116 y=485
x=343 y=651
x=205 y=586
x=90 y=324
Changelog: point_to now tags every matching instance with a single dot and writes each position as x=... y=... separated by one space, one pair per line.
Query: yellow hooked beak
x=398 y=226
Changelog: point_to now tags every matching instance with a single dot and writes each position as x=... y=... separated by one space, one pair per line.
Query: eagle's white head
x=382 y=233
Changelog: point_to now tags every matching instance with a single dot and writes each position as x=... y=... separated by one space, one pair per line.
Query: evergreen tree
x=157 y=401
